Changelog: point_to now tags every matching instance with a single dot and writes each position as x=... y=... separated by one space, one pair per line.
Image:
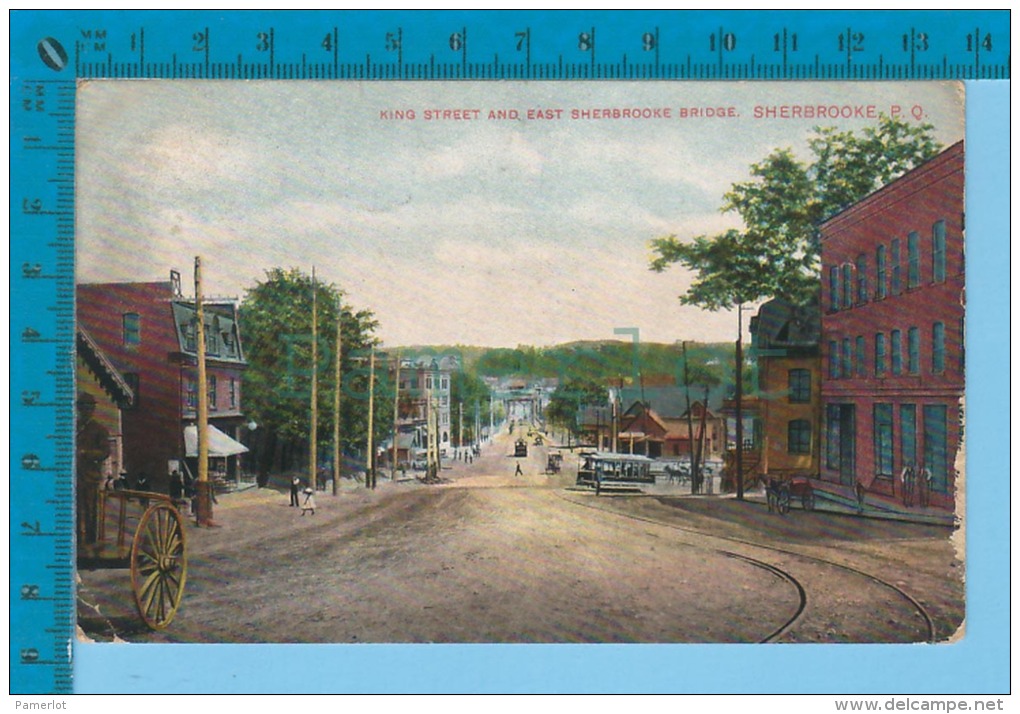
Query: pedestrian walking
x=518 y=472
x=295 y=486
x=309 y=504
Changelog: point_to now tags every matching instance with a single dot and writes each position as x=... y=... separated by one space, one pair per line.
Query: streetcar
x=619 y=472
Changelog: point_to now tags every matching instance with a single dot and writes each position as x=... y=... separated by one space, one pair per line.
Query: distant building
x=424 y=380
x=148 y=331
x=654 y=421
x=785 y=341
x=893 y=332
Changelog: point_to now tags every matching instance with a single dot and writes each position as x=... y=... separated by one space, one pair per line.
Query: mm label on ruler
x=50 y=51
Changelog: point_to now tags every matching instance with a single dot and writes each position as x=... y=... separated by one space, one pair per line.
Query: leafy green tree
x=468 y=389
x=276 y=330
x=776 y=253
x=570 y=396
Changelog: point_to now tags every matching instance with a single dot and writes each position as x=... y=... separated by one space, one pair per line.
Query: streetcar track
x=903 y=594
x=782 y=575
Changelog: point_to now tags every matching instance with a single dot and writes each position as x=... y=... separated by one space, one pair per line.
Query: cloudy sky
x=487 y=232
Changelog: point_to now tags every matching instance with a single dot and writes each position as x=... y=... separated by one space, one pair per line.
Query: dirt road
x=488 y=556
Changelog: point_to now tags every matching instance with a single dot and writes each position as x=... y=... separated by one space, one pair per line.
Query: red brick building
x=147 y=331
x=893 y=333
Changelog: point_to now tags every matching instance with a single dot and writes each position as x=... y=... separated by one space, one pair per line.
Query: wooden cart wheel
x=159 y=565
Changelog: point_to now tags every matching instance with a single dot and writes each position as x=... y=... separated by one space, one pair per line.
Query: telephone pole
x=396 y=419
x=739 y=404
x=370 y=460
x=336 y=404
x=204 y=516
x=313 y=465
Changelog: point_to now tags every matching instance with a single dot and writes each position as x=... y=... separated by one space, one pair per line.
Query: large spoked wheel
x=159 y=565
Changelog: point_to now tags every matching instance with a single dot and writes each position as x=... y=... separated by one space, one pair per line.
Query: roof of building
x=936 y=163
x=110 y=378
x=781 y=323
x=671 y=402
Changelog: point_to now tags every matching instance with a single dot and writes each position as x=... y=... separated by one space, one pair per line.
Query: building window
x=135 y=383
x=913 y=260
x=861 y=366
x=212 y=342
x=913 y=351
x=834 y=288
x=800 y=386
x=188 y=332
x=880 y=272
x=908 y=434
x=232 y=394
x=132 y=329
x=848 y=285
x=938 y=347
x=963 y=345
x=894 y=257
x=883 y=440
x=879 y=354
x=935 y=445
x=191 y=394
x=938 y=251
x=211 y=392
x=799 y=436
x=833 y=360
x=862 y=279
x=896 y=348
x=848 y=360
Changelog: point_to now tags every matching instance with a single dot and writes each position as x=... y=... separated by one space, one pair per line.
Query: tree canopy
x=776 y=253
x=276 y=328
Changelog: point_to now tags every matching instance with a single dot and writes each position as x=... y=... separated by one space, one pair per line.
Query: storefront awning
x=219 y=443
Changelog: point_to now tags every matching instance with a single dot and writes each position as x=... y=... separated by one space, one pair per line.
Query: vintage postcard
x=520 y=362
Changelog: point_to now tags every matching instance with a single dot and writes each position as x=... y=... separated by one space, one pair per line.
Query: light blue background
x=977 y=664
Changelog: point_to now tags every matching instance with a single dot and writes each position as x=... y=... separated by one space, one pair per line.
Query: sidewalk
x=836 y=498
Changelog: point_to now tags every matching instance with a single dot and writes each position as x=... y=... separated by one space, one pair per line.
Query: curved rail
x=929 y=622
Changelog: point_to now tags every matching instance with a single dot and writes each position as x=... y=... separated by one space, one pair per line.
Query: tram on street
x=604 y=470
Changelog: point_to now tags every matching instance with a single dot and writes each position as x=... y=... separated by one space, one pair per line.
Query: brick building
x=893 y=333
x=147 y=332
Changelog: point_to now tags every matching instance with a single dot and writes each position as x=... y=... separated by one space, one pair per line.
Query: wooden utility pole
x=313 y=460
x=204 y=515
x=739 y=404
x=690 y=421
x=370 y=457
x=336 y=405
x=396 y=419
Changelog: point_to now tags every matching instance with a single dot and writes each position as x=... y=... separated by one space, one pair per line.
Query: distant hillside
x=607 y=361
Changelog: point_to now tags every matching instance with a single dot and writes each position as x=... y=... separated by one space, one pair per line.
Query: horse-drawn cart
x=780 y=491
x=156 y=553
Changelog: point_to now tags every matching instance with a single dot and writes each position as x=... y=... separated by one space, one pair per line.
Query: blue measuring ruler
x=51 y=50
